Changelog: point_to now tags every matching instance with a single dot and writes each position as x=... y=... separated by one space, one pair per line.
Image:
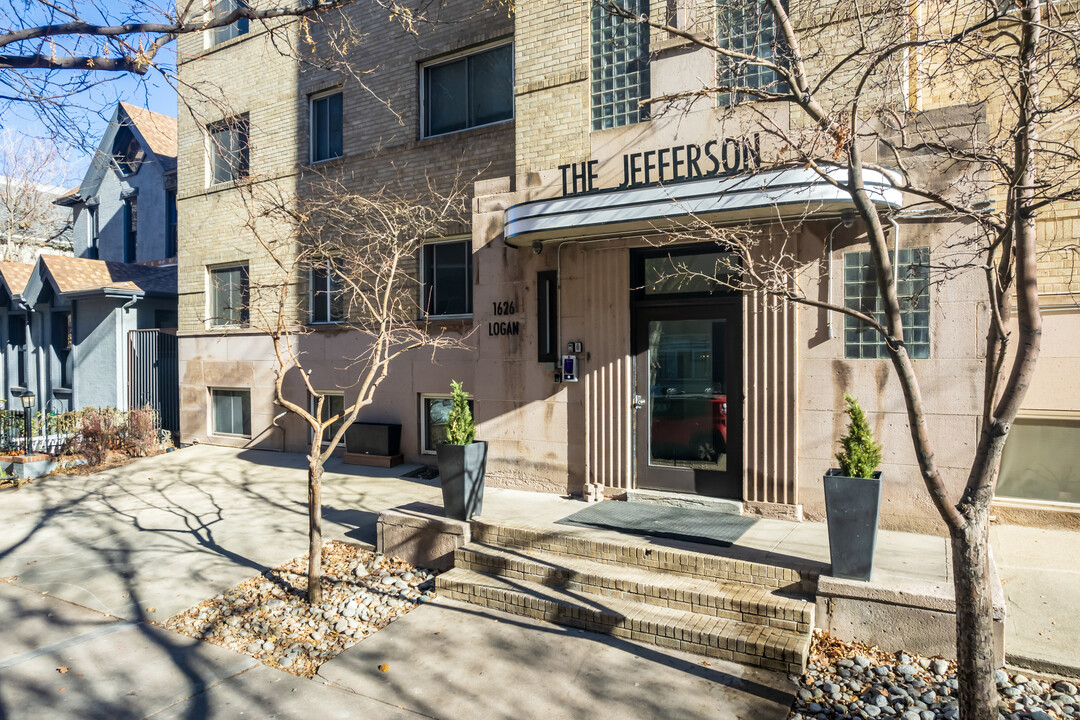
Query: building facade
x=599 y=350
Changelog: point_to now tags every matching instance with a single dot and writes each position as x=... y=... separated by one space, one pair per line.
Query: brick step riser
x=711 y=604
x=714 y=645
x=656 y=559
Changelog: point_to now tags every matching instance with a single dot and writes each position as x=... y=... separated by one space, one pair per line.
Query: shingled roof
x=159 y=132
x=15 y=275
x=81 y=275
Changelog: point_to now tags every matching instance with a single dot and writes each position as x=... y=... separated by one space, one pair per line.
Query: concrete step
x=734 y=601
x=642 y=553
x=690 y=501
x=750 y=644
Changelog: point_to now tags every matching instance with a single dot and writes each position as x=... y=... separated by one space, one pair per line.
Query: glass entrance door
x=688 y=399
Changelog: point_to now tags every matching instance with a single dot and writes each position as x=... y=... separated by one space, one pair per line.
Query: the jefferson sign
x=726 y=156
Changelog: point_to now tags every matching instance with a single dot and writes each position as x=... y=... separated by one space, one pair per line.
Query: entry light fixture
x=537 y=247
x=27 y=400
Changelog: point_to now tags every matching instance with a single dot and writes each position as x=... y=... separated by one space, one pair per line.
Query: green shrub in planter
x=462 y=460
x=859 y=455
x=853 y=499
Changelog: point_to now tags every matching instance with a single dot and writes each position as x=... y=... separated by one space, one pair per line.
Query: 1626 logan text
x=726 y=156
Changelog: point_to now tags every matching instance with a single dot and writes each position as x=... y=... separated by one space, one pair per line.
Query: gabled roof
x=155 y=132
x=14 y=276
x=158 y=131
x=81 y=276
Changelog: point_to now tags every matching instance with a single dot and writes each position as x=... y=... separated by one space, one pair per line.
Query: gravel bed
x=268 y=617
x=851 y=680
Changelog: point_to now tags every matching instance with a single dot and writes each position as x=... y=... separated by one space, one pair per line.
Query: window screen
x=326 y=127
x=228 y=150
x=470 y=91
x=229 y=296
x=231 y=411
x=448 y=278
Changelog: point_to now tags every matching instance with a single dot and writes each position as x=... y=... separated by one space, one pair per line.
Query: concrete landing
x=455 y=661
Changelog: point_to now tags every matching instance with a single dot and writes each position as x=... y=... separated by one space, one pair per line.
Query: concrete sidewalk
x=160 y=535
x=64 y=662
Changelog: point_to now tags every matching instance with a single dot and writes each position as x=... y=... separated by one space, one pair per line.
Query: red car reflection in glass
x=689 y=427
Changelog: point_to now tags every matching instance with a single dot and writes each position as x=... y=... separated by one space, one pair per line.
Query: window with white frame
x=228 y=149
x=620 y=65
x=746 y=27
x=434 y=414
x=468 y=90
x=229 y=296
x=221 y=8
x=326 y=299
x=333 y=404
x=327 y=135
x=447 y=272
x=861 y=293
x=230 y=411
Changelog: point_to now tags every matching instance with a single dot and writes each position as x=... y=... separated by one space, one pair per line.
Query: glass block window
x=620 y=65
x=747 y=27
x=860 y=293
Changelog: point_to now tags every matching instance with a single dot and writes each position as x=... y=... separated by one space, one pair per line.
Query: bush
x=859 y=455
x=140 y=432
x=460 y=428
x=97 y=436
x=94 y=433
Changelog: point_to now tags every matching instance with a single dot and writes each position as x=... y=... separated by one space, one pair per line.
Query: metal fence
x=154 y=380
x=46 y=435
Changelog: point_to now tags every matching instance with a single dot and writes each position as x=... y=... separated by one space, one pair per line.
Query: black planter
x=373 y=439
x=461 y=473
x=853 y=506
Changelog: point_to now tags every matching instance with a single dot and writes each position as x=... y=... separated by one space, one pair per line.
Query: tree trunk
x=315 y=472
x=975 y=663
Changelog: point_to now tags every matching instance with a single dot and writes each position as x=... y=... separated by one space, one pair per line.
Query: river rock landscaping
x=268 y=617
x=851 y=680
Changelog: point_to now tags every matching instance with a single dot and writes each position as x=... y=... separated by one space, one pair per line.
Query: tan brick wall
x=382 y=146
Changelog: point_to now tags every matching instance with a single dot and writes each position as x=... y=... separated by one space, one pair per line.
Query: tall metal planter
x=461 y=474
x=853 y=506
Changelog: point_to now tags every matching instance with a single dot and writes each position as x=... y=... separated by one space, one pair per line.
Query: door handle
x=638 y=402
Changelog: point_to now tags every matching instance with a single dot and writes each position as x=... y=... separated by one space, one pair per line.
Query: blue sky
x=90 y=111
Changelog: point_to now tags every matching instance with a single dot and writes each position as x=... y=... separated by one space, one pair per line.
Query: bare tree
x=29 y=171
x=363 y=246
x=851 y=77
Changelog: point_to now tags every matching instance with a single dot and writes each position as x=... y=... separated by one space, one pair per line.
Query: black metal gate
x=154 y=374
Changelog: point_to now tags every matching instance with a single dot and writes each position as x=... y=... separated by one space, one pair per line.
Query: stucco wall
x=149 y=184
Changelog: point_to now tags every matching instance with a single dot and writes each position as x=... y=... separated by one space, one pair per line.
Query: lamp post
x=27 y=403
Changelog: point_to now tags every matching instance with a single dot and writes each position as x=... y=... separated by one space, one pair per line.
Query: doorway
x=687 y=394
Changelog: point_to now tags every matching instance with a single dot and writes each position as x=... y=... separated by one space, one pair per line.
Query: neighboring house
x=30 y=221
x=680 y=387
x=98 y=329
x=124 y=210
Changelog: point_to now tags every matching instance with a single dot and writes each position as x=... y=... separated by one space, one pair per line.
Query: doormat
x=422 y=473
x=660 y=521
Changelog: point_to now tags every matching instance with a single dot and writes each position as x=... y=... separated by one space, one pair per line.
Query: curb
x=1059 y=670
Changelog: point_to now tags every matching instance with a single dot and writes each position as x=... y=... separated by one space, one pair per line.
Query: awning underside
x=767 y=196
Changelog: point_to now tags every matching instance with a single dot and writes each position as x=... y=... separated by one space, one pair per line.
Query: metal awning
x=767 y=196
